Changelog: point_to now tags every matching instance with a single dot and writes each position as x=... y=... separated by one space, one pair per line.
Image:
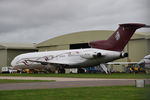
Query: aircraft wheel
x=80 y=70
x=61 y=71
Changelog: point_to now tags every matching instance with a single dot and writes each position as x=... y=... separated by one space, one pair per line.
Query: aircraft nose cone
x=12 y=63
x=141 y=63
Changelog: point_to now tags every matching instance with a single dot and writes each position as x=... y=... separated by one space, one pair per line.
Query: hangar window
x=79 y=46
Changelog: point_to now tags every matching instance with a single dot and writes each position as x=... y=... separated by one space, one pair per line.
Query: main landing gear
x=81 y=70
x=61 y=70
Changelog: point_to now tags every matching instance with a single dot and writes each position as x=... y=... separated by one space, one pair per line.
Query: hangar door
x=79 y=46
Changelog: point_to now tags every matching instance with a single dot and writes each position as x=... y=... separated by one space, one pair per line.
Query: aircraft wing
x=52 y=62
x=121 y=63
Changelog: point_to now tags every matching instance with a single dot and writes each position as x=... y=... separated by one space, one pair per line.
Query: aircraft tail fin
x=118 y=40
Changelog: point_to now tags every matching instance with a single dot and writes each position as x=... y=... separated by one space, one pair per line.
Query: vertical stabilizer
x=118 y=40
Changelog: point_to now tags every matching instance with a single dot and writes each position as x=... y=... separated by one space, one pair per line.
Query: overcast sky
x=33 y=21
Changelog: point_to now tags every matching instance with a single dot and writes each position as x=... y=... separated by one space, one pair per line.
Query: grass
x=101 y=75
x=82 y=93
x=2 y=81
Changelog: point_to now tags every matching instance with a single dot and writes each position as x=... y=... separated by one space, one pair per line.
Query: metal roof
x=86 y=36
x=17 y=46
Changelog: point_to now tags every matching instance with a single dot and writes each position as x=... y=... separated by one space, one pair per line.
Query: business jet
x=101 y=52
x=143 y=63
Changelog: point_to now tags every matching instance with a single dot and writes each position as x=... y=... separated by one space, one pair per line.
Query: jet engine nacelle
x=123 y=55
x=91 y=55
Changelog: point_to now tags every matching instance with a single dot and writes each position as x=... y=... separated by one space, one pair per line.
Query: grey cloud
x=29 y=19
x=19 y=15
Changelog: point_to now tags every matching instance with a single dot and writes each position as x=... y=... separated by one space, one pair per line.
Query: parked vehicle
x=8 y=70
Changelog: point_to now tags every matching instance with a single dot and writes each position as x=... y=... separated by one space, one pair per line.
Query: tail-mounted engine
x=123 y=55
x=91 y=55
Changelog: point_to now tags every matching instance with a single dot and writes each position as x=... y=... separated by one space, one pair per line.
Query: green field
x=101 y=75
x=83 y=93
x=2 y=81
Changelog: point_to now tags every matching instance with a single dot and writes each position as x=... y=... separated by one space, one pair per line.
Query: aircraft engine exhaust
x=123 y=55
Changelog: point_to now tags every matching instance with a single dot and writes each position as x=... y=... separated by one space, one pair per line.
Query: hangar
x=137 y=47
x=10 y=50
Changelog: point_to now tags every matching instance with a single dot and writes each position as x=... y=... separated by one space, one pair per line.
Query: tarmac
x=65 y=82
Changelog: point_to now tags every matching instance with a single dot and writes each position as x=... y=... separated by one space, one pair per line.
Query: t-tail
x=118 y=40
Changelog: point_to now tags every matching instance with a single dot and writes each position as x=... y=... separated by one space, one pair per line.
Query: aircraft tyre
x=62 y=71
x=80 y=70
